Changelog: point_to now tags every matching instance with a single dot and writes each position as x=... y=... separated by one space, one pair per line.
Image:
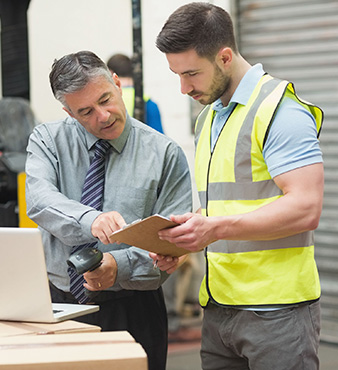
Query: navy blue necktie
x=92 y=195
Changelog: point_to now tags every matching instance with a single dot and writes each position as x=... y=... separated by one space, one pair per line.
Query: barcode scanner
x=87 y=259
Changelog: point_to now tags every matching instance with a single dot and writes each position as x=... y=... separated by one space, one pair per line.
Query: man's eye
x=105 y=101
x=86 y=113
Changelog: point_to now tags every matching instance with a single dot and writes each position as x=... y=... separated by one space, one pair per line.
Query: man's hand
x=193 y=233
x=104 y=276
x=105 y=224
x=166 y=263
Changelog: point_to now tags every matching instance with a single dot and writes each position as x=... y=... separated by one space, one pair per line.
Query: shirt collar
x=118 y=143
x=245 y=88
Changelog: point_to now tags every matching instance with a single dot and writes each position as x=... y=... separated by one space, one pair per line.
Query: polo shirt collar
x=244 y=89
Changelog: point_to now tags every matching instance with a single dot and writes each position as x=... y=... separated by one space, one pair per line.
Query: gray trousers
x=286 y=339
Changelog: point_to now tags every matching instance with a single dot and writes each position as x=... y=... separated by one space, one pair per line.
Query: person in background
x=144 y=173
x=259 y=175
x=122 y=66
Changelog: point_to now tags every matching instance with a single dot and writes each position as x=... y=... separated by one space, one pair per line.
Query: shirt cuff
x=123 y=268
x=86 y=222
x=292 y=166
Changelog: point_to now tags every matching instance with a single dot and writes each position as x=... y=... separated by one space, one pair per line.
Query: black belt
x=213 y=303
x=102 y=296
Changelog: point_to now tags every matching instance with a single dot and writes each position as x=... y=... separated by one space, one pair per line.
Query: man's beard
x=219 y=85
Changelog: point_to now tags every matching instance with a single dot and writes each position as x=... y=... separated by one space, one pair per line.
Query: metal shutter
x=297 y=40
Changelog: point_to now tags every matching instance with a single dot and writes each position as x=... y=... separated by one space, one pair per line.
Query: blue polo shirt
x=292 y=141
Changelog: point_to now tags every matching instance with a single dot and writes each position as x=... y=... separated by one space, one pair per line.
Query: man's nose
x=186 y=87
x=103 y=114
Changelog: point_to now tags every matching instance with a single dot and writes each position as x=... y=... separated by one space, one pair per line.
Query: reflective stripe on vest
x=236 y=181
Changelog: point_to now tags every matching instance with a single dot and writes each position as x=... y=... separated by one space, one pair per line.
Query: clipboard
x=143 y=234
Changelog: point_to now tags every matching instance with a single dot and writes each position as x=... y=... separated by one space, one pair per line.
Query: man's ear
x=68 y=111
x=224 y=58
x=117 y=82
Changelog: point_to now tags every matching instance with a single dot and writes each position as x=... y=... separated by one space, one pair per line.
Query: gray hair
x=73 y=72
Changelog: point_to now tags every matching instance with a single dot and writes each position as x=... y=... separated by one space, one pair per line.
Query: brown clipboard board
x=144 y=234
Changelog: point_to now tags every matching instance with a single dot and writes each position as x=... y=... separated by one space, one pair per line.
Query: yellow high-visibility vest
x=234 y=179
x=128 y=96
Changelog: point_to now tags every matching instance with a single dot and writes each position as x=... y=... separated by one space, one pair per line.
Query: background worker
x=259 y=174
x=144 y=173
x=122 y=66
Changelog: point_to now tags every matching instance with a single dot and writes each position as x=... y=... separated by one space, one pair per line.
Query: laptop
x=24 y=287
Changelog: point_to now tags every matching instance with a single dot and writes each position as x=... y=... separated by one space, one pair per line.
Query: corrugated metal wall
x=298 y=40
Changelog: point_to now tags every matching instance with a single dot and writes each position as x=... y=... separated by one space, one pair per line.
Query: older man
x=144 y=173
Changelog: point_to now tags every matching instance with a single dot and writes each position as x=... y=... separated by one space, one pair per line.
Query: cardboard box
x=87 y=351
x=13 y=328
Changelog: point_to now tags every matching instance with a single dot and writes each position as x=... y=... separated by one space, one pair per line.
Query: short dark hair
x=204 y=27
x=121 y=65
x=73 y=72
